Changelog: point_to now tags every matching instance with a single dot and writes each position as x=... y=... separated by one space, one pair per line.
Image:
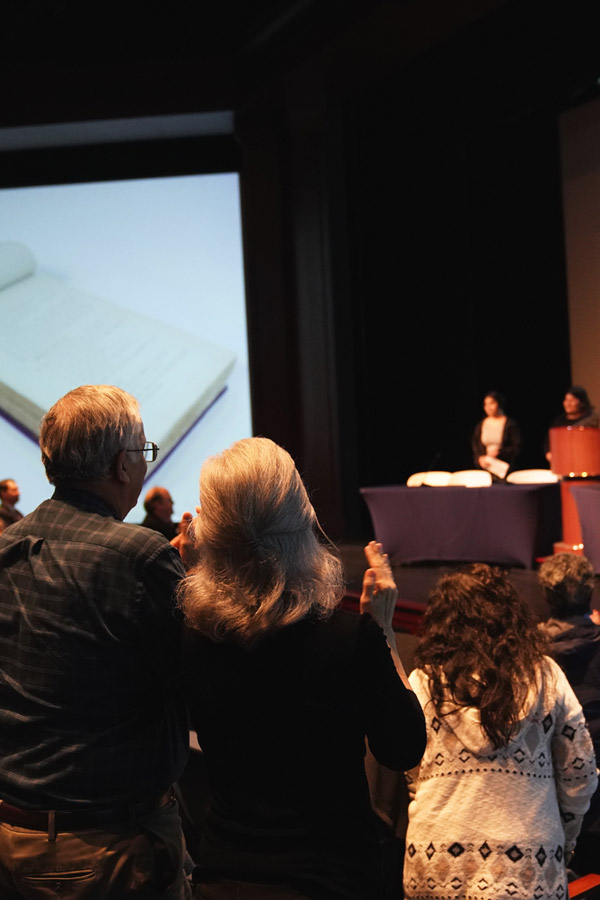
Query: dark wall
x=463 y=290
x=401 y=213
x=419 y=214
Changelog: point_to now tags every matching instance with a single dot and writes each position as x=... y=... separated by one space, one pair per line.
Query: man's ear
x=121 y=467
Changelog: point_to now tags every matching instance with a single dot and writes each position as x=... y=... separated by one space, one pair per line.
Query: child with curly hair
x=498 y=800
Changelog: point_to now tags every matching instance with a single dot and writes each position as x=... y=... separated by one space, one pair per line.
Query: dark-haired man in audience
x=94 y=732
x=9 y=497
x=159 y=509
x=568 y=583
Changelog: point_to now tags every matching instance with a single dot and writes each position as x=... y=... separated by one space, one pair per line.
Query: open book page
x=16 y=262
x=62 y=337
x=497 y=467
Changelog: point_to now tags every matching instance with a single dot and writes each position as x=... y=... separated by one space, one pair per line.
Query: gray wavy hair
x=261 y=564
x=568 y=583
x=81 y=435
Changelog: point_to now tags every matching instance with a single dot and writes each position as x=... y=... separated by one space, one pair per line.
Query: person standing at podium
x=577 y=410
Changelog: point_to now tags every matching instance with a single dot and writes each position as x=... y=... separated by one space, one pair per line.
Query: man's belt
x=55 y=820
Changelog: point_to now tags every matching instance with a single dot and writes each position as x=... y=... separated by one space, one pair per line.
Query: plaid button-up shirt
x=91 y=712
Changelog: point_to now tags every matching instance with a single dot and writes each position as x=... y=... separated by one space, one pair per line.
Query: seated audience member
x=496 y=437
x=574 y=642
x=159 y=509
x=94 y=727
x=509 y=769
x=577 y=410
x=283 y=688
x=9 y=497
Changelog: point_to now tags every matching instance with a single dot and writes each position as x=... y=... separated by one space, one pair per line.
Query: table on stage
x=506 y=524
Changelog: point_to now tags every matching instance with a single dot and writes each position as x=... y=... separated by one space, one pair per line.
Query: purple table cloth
x=587 y=500
x=505 y=524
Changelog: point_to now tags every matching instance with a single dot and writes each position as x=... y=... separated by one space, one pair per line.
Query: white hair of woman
x=261 y=565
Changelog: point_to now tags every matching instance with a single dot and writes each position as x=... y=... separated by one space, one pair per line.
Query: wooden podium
x=575 y=453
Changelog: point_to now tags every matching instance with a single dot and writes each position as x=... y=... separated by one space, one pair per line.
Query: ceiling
x=68 y=59
x=75 y=61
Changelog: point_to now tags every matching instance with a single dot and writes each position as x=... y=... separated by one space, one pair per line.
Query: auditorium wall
x=417 y=218
x=403 y=225
x=580 y=155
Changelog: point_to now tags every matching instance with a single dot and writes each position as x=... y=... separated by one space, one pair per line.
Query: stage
x=415 y=581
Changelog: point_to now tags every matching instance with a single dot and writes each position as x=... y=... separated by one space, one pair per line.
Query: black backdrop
x=401 y=203
x=419 y=214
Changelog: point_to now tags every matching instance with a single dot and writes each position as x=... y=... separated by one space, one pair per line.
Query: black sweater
x=283 y=728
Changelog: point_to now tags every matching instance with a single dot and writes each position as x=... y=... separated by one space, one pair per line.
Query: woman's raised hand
x=379 y=591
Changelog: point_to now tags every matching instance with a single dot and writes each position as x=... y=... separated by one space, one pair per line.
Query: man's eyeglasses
x=150 y=451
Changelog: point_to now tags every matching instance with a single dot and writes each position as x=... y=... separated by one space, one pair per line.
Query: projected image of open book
x=58 y=337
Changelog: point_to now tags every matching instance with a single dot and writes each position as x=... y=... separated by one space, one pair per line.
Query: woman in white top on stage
x=496 y=437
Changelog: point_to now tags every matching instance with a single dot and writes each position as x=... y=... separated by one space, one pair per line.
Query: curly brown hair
x=480 y=647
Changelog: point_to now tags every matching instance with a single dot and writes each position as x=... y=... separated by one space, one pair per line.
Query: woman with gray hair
x=283 y=688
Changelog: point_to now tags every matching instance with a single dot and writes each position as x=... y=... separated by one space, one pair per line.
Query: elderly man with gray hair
x=574 y=642
x=94 y=730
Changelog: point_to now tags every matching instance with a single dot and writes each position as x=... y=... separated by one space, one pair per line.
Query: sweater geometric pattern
x=489 y=824
x=453 y=870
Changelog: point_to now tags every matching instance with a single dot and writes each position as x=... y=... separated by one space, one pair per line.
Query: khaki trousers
x=141 y=859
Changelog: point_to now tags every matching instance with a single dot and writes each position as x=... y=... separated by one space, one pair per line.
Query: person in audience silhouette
x=159 y=509
x=509 y=770
x=283 y=688
x=574 y=642
x=95 y=729
x=9 y=497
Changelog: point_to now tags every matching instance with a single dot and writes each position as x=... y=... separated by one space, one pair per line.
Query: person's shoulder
x=580 y=630
x=554 y=679
x=136 y=535
x=418 y=676
x=343 y=638
x=592 y=420
x=550 y=667
x=342 y=626
x=143 y=546
x=357 y=637
x=25 y=523
x=559 y=421
x=76 y=524
x=419 y=682
x=351 y=626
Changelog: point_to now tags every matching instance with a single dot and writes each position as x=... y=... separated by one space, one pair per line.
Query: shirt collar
x=83 y=499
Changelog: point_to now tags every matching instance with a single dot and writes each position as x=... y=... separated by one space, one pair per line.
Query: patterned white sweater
x=495 y=824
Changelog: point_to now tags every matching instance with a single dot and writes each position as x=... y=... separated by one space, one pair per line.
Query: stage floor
x=415 y=581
